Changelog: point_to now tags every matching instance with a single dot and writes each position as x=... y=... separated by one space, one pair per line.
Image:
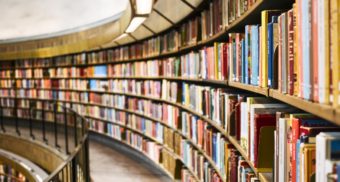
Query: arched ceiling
x=89 y=35
x=21 y=19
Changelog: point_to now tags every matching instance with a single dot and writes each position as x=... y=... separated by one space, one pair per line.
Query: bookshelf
x=132 y=85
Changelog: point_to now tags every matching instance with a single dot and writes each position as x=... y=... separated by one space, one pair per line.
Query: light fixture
x=143 y=7
x=134 y=24
x=121 y=36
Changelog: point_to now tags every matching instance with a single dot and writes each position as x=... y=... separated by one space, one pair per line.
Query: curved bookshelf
x=252 y=15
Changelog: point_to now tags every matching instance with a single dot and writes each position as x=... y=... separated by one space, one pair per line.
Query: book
x=266 y=16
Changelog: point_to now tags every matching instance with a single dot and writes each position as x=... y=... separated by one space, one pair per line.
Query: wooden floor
x=108 y=164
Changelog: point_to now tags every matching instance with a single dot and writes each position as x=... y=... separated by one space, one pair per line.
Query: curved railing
x=57 y=126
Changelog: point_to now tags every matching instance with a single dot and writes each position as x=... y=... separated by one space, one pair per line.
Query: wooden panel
x=178 y=11
x=194 y=3
x=141 y=33
x=125 y=40
x=46 y=157
x=161 y=24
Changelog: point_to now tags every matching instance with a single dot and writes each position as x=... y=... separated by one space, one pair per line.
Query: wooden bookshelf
x=337 y=116
x=251 y=16
x=250 y=88
x=324 y=111
x=236 y=144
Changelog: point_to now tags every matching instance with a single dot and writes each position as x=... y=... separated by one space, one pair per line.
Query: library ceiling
x=41 y=18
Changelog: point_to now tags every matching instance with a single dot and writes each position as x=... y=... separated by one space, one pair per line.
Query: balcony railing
x=56 y=125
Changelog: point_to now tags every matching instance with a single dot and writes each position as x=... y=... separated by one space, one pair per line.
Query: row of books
x=46 y=62
x=261 y=111
x=208 y=63
x=294 y=52
x=75 y=84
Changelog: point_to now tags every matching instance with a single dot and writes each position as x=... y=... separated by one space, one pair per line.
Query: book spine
x=315 y=55
x=264 y=49
x=334 y=49
x=246 y=51
x=323 y=51
x=280 y=56
x=270 y=47
x=306 y=49
x=296 y=50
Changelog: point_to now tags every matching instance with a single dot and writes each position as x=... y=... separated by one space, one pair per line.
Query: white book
x=244 y=126
x=323 y=43
x=324 y=164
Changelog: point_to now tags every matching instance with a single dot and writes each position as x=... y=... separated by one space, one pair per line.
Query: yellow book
x=307 y=164
x=216 y=60
x=323 y=51
x=265 y=18
x=335 y=49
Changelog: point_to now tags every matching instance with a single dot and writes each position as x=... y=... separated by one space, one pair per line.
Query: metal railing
x=58 y=126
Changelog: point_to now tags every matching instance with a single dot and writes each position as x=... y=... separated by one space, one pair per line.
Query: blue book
x=306 y=50
x=271 y=52
x=243 y=62
x=193 y=127
x=183 y=91
x=93 y=84
x=298 y=143
x=214 y=152
x=55 y=95
x=100 y=70
x=255 y=55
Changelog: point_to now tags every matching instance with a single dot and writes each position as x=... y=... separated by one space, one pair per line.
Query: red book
x=313 y=131
x=238 y=120
x=225 y=61
x=200 y=131
x=297 y=123
x=233 y=162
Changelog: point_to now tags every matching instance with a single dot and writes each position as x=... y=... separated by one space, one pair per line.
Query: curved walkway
x=109 y=163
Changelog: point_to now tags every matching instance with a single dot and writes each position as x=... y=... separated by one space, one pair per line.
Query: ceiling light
x=121 y=36
x=134 y=24
x=143 y=7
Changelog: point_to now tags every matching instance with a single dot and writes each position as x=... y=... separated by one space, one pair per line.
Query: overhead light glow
x=121 y=36
x=135 y=23
x=143 y=7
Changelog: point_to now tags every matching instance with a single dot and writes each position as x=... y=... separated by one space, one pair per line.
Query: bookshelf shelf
x=251 y=88
x=323 y=111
